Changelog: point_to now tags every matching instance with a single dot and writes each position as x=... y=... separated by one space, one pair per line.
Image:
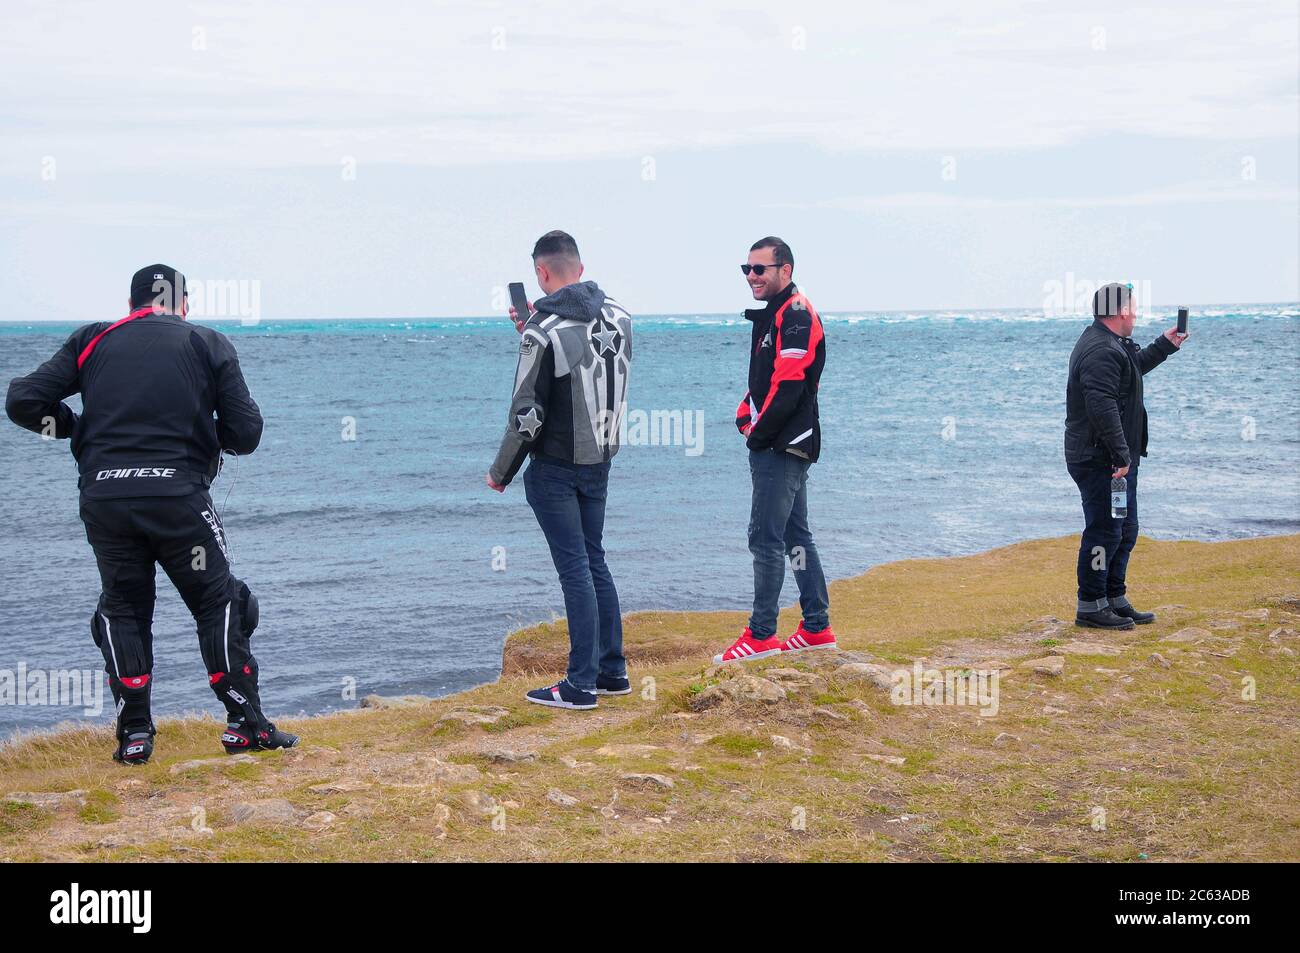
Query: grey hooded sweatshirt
x=571 y=383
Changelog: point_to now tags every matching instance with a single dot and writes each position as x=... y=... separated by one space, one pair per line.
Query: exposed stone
x=475 y=715
x=742 y=688
x=1155 y=658
x=657 y=780
x=48 y=799
x=208 y=763
x=886 y=758
x=792 y=679
x=877 y=675
x=1254 y=614
x=342 y=786
x=830 y=714
x=781 y=741
x=442 y=772
x=505 y=756
x=1084 y=648
x=626 y=751
x=1006 y=739
x=478 y=802
x=1049 y=665
x=319 y=821
x=396 y=701
x=272 y=811
x=556 y=796
x=1050 y=710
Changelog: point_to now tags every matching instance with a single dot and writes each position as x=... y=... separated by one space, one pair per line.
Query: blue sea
x=379 y=560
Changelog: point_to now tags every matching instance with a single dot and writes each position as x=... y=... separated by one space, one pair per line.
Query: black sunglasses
x=757 y=269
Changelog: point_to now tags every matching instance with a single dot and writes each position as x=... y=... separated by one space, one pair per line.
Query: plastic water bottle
x=1118 y=498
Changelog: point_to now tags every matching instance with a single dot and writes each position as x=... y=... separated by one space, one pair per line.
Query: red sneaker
x=803 y=640
x=747 y=648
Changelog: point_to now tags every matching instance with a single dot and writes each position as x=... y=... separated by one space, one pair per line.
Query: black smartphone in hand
x=1182 y=320
x=519 y=298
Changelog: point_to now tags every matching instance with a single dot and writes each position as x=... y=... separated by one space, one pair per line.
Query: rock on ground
x=1050 y=665
x=272 y=811
x=741 y=689
x=208 y=763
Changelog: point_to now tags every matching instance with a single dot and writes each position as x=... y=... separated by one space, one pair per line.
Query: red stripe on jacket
x=792 y=368
x=85 y=353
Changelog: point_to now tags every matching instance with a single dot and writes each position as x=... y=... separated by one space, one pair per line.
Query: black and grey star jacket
x=570 y=391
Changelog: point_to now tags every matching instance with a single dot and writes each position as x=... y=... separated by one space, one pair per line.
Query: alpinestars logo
x=217 y=534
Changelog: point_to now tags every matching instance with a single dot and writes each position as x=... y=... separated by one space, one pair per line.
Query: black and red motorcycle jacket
x=779 y=411
x=161 y=398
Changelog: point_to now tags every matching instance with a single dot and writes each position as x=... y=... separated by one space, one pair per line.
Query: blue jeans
x=1101 y=577
x=778 y=527
x=569 y=503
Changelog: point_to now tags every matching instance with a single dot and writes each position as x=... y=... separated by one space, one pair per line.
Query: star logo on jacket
x=606 y=340
x=529 y=423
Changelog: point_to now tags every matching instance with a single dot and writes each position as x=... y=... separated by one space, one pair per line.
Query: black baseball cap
x=161 y=286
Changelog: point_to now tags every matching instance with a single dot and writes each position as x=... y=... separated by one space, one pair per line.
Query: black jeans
x=569 y=503
x=1107 y=542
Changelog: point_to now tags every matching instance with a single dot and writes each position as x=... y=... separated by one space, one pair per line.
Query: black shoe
x=563 y=695
x=135 y=747
x=1128 y=612
x=238 y=738
x=1102 y=619
x=608 y=685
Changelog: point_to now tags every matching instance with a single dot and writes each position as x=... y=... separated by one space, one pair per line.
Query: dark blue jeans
x=569 y=503
x=1107 y=542
x=778 y=527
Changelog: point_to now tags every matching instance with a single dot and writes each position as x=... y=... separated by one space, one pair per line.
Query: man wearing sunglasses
x=778 y=418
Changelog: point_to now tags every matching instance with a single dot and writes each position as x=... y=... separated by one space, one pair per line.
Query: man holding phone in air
x=1105 y=437
x=570 y=393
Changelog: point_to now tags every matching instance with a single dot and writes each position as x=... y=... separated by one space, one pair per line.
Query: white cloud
x=301 y=84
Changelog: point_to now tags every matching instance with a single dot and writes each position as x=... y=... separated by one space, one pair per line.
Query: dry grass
x=1183 y=767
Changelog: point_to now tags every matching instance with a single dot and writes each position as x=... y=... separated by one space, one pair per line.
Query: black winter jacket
x=1105 y=418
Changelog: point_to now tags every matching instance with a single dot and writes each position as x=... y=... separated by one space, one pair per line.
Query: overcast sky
x=399 y=159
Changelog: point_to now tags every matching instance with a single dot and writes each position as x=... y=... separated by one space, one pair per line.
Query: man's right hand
x=1119 y=472
x=514 y=316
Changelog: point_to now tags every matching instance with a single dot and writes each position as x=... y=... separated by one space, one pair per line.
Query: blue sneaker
x=562 y=695
x=613 y=685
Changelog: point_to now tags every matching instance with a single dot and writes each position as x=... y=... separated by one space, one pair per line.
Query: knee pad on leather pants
x=249 y=611
x=225 y=629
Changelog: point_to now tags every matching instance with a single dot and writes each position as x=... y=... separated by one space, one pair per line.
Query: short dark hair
x=781 y=252
x=1111 y=299
x=557 y=244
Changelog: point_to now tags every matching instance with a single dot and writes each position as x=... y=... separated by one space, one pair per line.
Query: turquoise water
x=374 y=557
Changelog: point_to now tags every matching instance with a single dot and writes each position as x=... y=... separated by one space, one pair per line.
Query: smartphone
x=519 y=298
x=1182 y=320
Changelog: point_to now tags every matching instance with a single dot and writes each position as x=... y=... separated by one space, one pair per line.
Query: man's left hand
x=1174 y=338
x=500 y=488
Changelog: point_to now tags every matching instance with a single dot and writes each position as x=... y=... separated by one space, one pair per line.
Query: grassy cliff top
x=1173 y=741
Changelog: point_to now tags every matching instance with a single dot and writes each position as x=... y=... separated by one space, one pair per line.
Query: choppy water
x=373 y=558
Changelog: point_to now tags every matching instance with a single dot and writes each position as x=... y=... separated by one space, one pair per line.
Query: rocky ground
x=1173 y=741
